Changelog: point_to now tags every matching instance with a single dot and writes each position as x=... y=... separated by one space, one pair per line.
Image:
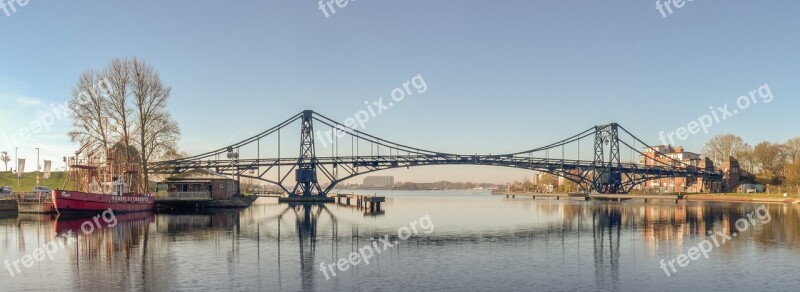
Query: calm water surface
x=479 y=242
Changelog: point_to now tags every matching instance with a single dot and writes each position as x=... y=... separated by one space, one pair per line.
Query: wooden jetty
x=585 y=197
x=370 y=204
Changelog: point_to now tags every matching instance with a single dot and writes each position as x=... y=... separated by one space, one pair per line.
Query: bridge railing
x=183 y=196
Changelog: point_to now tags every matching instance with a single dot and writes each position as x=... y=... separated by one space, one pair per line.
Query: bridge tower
x=607 y=178
x=306 y=172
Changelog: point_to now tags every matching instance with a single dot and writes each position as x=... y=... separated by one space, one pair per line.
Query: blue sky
x=502 y=76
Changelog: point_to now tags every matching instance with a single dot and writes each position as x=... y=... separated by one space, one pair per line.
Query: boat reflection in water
x=181 y=222
x=87 y=224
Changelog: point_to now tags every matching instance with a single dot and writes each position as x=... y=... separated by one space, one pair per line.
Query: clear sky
x=502 y=76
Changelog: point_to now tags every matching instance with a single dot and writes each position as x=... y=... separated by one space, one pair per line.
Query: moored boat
x=35 y=203
x=7 y=203
x=99 y=188
x=72 y=202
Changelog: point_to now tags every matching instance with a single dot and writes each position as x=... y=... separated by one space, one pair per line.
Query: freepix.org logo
x=61 y=242
x=44 y=122
x=328 y=7
x=365 y=253
x=9 y=7
x=665 y=7
x=762 y=94
x=759 y=216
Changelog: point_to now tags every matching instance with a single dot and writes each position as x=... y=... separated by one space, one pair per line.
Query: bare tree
x=172 y=154
x=161 y=137
x=746 y=159
x=156 y=132
x=719 y=148
x=90 y=123
x=4 y=157
x=792 y=148
x=770 y=159
x=117 y=79
x=792 y=172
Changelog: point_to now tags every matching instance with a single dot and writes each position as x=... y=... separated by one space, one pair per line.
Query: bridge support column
x=306 y=173
x=607 y=177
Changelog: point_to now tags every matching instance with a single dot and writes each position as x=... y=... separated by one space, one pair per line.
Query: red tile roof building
x=678 y=157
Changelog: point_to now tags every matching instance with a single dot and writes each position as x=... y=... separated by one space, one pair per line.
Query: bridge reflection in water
x=280 y=246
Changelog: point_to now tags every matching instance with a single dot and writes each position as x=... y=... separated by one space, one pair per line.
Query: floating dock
x=600 y=197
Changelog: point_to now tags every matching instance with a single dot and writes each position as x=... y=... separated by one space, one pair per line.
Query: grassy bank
x=28 y=181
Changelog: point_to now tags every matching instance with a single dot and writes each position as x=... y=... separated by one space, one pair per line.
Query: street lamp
x=37 y=165
x=16 y=160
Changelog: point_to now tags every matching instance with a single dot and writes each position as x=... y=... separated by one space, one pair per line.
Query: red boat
x=95 y=195
x=67 y=202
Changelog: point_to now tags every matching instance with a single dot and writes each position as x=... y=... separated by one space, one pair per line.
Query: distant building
x=678 y=157
x=218 y=188
x=379 y=181
x=731 y=175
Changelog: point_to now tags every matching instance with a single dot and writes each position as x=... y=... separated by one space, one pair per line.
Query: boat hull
x=75 y=202
x=35 y=203
x=36 y=207
x=8 y=203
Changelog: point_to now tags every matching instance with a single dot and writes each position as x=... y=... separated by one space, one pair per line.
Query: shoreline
x=706 y=197
x=739 y=198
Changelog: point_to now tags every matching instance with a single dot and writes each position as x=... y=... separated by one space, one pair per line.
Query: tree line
x=124 y=106
x=766 y=162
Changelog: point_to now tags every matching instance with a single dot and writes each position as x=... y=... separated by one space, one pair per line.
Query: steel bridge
x=354 y=153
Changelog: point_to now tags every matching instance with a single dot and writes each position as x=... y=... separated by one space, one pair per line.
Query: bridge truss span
x=329 y=152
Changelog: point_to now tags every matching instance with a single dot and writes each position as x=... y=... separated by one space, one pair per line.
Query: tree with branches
x=770 y=160
x=720 y=147
x=156 y=133
x=5 y=158
x=124 y=106
x=90 y=118
x=792 y=148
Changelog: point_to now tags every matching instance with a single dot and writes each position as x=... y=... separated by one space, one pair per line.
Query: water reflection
x=102 y=249
x=477 y=240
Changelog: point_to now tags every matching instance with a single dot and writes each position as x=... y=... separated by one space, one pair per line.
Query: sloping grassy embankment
x=28 y=181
